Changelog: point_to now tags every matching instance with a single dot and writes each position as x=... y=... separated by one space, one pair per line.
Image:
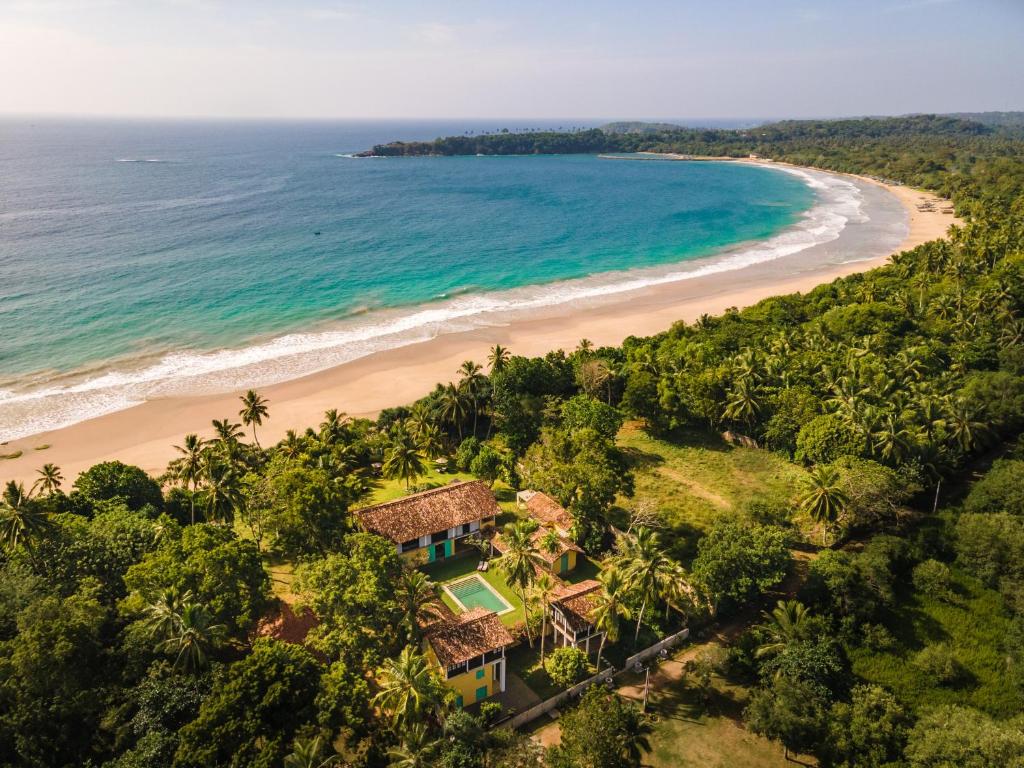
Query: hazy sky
x=516 y=58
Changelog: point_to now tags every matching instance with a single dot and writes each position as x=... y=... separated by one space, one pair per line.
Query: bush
x=115 y=480
x=938 y=662
x=490 y=711
x=1000 y=490
x=566 y=666
x=466 y=452
x=826 y=438
x=933 y=579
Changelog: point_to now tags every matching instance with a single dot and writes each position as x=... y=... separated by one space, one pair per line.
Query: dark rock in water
x=316 y=233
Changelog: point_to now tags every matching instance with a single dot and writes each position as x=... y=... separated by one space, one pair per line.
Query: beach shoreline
x=145 y=434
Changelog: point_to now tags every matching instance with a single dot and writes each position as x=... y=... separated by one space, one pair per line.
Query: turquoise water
x=141 y=259
x=475 y=593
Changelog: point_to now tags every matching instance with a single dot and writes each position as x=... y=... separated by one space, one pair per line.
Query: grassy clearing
x=974 y=626
x=688 y=734
x=693 y=477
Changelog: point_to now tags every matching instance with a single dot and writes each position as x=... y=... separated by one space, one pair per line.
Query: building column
x=502 y=673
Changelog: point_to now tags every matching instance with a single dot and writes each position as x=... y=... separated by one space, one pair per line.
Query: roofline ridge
x=419 y=494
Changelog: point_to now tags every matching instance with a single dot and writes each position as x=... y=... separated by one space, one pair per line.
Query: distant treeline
x=946 y=154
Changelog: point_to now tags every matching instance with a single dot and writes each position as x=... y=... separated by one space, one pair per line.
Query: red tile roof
x=548 y=511
x=578 y=602
x=430 y=511
x=472 y=634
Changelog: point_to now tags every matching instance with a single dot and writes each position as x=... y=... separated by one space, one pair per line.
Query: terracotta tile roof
x=430 y=511
x=548 y=511
x=578 y=602
x=472 y=634
x=537 y=537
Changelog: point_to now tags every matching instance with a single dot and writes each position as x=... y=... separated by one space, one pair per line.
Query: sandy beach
x=145 y=434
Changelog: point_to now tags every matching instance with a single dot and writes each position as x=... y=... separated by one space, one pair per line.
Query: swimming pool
x=474 y=592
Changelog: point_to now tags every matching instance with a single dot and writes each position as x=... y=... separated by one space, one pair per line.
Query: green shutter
x=565 y=563
x=481 y=692
x=458 y=701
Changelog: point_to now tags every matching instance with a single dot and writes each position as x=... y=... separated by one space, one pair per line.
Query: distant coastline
x=144 y=434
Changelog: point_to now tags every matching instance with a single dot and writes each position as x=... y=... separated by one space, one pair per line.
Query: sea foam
x=298 y=354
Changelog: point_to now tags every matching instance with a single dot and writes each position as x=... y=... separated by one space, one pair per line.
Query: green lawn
x=456 y=567
x=974 y=625
x=693 y=477
x=688 y=735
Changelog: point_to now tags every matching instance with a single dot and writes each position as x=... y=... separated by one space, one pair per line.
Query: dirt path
x=672 y=671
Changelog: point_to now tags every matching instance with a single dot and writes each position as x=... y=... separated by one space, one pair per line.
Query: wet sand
x=145 y=434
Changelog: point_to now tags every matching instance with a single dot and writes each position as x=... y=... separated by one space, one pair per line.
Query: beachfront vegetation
x=873 y=423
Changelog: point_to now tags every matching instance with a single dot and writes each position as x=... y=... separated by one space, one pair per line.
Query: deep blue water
x=123 y=242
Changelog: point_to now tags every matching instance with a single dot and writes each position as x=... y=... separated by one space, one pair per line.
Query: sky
x=645 y=59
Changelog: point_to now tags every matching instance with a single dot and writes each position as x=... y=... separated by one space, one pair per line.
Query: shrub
x=466 y=452
x=938 y=662
x=1000 y=490
x=933 y=579
x=566 y=666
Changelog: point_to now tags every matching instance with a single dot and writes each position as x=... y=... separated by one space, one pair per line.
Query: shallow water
x=145 y=259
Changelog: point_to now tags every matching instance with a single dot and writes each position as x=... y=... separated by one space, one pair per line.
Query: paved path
x=672 y=671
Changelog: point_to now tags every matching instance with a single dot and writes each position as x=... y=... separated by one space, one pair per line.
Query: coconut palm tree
x=188 y=467
x=454 y=406
x=254 y=411
x=741 y=404
x=221 y=495
x=418 y=749
x=228 y=432
x=498 y=358
x=49 y=481
x=962 y=425
x=611 y=607
x=409 y=689
x=431 y=442
x=291 y=446
x=519 y=563
x=647 y=570
x=585 y=346
x=823 y=498
x=194 y=636
x=473 y=383
x=403 y=461
x=782 y=626
x=544 y=587
x=332 y=428
x=163 y=616
x=309 y=753
x=416 y=597
x=22 y=522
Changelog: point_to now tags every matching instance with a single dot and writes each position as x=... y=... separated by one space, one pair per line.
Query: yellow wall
x=465 y=685
x=556 y=567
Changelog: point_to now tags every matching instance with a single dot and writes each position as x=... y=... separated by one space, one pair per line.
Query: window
x=410 y=545
x=436 y=537
x=455 y=670
x=464 y=530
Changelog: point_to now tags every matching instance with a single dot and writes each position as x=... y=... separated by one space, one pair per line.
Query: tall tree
x=409 y=689
x=417 y=597
x=50 y=479
x=823 y=498
x=188 y=467
x=403 y=461
x=254 y=411
x=611 y=607
x=472 y=383
x=782 y=626
x=520 y=563
x=498 y=358
x=544 y=587
x=648 y=571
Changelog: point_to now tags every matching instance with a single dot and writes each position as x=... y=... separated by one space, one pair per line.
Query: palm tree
x=291 y=446
x=585 y=346
x=417 y=750
x=472 y=383
x=647 y=570
x=228 y=432
x=163 y=616
x=637 y=741
x=611 y=607
x=741 y=404
x=188 y=468
x=520 y=561
x=964 y=428
x=893 y=440
x=453 y=406
x=22 y=521
x=782 y=626
x=409 y=689
x=332 y=428
x=431 y=442
x=416 y=596
x=498 y=358
x=544 y=587
x=403 y=461
x=194 y=636
x=254 y=411
x=309 y=753
x=221 y=496
x=49 y=480
x=823 y=499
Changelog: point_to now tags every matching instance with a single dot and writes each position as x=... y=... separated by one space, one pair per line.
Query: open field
x=693 y=477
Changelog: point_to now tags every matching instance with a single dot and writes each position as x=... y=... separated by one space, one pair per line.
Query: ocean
x=148 y=259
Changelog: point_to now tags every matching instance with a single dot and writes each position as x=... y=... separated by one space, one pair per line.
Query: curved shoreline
x=144 y=434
